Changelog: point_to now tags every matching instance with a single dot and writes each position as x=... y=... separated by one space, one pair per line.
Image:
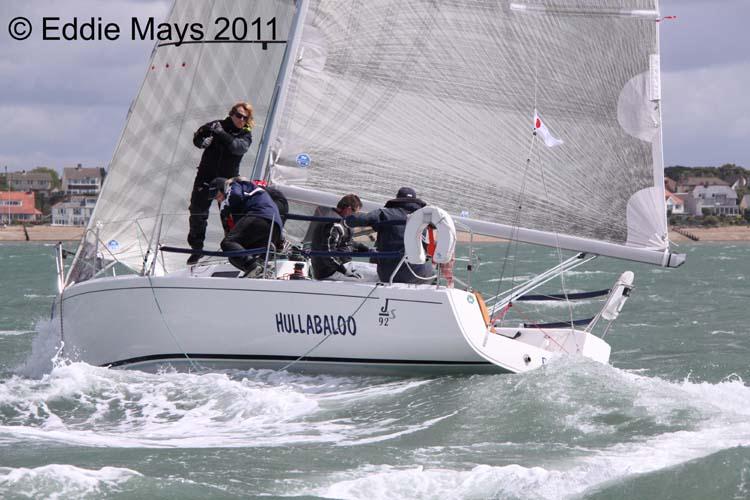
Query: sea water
x=668 y=418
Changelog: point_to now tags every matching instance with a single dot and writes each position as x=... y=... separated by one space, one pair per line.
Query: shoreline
x=68 y=233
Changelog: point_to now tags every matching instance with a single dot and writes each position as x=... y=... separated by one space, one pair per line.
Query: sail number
x=238 y=29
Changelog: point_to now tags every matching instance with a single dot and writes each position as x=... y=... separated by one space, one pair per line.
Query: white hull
x=195 y=320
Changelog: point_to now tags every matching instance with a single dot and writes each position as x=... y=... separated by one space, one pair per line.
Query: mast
x=281 y=89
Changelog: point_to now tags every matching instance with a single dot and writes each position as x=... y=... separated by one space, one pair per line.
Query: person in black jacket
x=336 y=237
x=225 y=142
x=391 y=236
x=249 y=216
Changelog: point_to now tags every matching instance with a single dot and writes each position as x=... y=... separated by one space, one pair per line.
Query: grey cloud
x=63 y=102
x=705 y=33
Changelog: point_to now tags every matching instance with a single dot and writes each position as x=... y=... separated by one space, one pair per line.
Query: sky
x=65 y=102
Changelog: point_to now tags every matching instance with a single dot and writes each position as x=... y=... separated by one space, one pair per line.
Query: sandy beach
x=63 y=233
x=41 y=233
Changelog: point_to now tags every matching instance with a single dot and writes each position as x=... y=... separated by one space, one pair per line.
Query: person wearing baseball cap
x=391 y=236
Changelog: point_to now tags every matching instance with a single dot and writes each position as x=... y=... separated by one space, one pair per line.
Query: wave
x=692 y=419
x=62 y=481
x=79 y=404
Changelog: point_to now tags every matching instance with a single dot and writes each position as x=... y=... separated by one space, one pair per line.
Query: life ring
x=446 y=235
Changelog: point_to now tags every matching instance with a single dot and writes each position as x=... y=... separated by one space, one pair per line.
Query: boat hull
x=200 y=321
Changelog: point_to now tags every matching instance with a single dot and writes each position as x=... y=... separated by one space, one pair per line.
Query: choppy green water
x=669 y=418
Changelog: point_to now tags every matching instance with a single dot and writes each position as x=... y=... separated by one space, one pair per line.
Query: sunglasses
x=241 y=116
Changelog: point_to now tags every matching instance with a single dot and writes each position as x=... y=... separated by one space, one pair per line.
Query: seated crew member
x=336 y=237
x=391 y=236
x=249 y=216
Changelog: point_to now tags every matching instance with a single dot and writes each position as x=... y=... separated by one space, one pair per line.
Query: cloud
x=707 y=115
x=705 y=33
x=65 y=102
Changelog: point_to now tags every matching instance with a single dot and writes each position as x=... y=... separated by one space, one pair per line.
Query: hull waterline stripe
x=259 y=357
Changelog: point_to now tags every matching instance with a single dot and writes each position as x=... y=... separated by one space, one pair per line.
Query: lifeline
x=315 y=324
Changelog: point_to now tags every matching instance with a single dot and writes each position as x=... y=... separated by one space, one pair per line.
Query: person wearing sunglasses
x=224 y=143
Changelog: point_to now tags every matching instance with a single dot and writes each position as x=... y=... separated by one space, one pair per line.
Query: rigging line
x=515 y=226
x=289 y=365
x=546 y=334
x=515 y=223
x=560 y=258
x=166 y=325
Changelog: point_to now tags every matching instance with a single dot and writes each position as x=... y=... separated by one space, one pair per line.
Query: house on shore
x=39 y=182
x=688 y=184
x=712 y=200
x=17 y=207
x=82 y=181
x=675 y=203
x=75 y=212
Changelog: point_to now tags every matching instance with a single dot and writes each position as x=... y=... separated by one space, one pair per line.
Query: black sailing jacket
x=222 y=157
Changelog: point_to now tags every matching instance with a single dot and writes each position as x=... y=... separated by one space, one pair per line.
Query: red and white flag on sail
x=541 y=129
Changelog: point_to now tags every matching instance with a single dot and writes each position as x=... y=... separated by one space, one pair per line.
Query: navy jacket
x=390 y=236
x=222 y=156
x=245 y=198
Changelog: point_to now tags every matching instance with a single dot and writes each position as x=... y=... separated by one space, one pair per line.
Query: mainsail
x=147 y=191
x=441 y=95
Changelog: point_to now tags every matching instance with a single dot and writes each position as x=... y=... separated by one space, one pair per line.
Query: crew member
x=336 y=237
x=250 y=217
x=224 y=143
x=391 y=236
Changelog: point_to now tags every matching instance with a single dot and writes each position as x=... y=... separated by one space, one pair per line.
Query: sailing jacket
x=244 y=198
x=391 y=237
x=224 y=148
x=332 y=237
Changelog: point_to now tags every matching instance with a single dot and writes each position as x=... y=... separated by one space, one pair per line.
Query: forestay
x=441 y=95
x=151 y=174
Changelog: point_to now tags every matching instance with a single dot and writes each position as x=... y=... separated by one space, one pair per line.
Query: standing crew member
x=225 y=142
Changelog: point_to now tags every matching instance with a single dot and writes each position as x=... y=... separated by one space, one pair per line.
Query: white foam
x=44 y=349
x=62 y=481
x=720 y=422
x=136 y=409
x=517 y=481
x=13 y=333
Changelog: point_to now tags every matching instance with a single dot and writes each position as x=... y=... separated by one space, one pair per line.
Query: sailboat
x=536 y=121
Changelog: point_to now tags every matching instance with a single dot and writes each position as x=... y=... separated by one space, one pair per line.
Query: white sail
x=148 y=185
x=441 y=95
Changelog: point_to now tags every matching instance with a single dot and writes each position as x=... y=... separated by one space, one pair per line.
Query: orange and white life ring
x=446 y=235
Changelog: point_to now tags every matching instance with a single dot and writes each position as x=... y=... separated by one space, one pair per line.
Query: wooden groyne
x=686 y=234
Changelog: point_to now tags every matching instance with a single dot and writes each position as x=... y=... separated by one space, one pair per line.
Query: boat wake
x=564 y=430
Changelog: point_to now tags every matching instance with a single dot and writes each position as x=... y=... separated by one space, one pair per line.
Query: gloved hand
x=206 y=142
x=216 y=127
x=348 y=270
